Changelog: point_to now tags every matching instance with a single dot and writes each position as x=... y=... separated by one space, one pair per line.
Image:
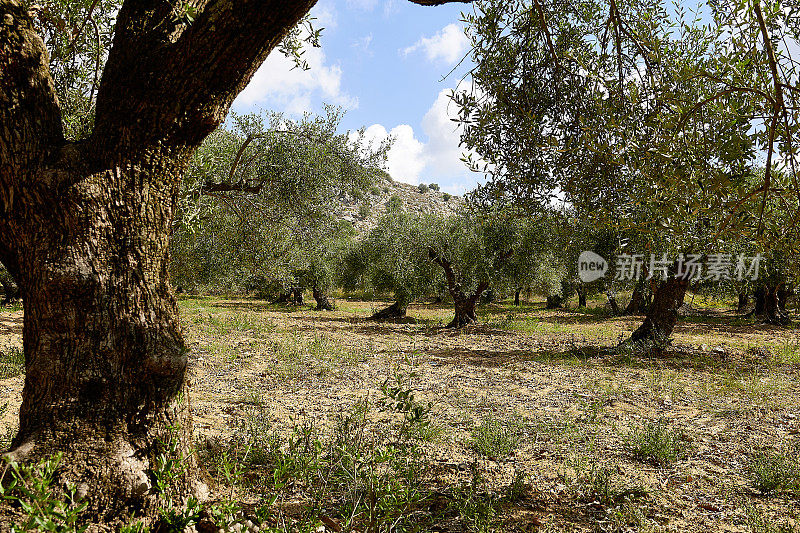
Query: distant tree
x=422 y=188
x=394 y=258
x=472 y=249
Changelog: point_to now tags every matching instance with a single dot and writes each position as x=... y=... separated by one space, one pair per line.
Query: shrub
x=657 y=443
x=494 y=438
x=434 y=186
x=12 y=361
x=446 y=197
x=773 y=471
x=422 y=188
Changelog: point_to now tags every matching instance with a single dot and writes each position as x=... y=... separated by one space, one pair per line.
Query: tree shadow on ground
x=674 y=358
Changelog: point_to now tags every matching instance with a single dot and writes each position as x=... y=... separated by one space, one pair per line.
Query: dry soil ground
x=528 y=394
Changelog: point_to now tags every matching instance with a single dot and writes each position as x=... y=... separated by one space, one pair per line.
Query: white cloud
x=406 y=158
x=438 y=160
x=291 y=89
x=366 y=5
x=363 y=46
x=449 y=45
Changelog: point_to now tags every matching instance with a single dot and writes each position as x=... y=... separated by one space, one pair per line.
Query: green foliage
x=12 y=361
x=446 y=197
x=494 y=438
x=373 y=471
x=434 y=186
x=601 y=483
x=657 y=443
x=256 y=207
x=774 y=471
x=476 y=507
x=422 y=188
x=394 y=204
x=47 y=507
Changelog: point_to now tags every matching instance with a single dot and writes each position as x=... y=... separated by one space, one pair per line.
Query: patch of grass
x=495 y=438
x=657 y=443
x=475 y=506
x=786 y=353
x=12 y=361
x=592 y=481
x=757 y=522
x=365 y=473
x=770 y=471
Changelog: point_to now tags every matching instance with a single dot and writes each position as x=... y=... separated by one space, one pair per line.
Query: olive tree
x=105 y=356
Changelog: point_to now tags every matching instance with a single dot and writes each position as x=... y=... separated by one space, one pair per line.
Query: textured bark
x=636 y=304
x=393 y=312
x=663 y=313
x=84 y=230
x=768 y=304
x=744 y=300
x=612 y=301
x=323 y=303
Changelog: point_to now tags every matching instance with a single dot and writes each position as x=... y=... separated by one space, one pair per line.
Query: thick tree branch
x=30 y=119
x=187 y=73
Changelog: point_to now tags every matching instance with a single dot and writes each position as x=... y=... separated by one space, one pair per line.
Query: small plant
x=12 y=361
x=398 y=397
x=179 y=518
x=135 y=527
x=476 y=507
x=446 y=197
x=601 y=483
x=494 y=439
x=433 y=186
x=758 y=523
x=518 y=488
x=422 y=188
x=47 y=508
x=657 y=443
x=773 y=471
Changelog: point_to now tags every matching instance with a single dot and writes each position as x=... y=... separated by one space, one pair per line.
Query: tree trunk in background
x=784 y=293
x=612 y=301
x=663 y=313
x=465 y=304
x=743 y=301
x=395 y=311
x=581 y=291
x=636 y=304
x=554 y=302
x=516 y=297
x=11 y=290
x=323 y=303
x=760 y=299
x=464 y=309
x=768 y=305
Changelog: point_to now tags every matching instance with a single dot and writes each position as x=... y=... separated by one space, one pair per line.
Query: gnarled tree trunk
x=465 y=304
x=516 y=297
x=744 y=300
x=395 y=311
x=323 y=303
x=612 y=301
x=663 y=313
x=84 y=229
x=636 y=304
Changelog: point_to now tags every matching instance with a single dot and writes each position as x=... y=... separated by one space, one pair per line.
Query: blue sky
x=383 y=61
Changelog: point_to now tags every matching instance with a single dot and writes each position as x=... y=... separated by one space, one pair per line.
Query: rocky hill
x=364 y=212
